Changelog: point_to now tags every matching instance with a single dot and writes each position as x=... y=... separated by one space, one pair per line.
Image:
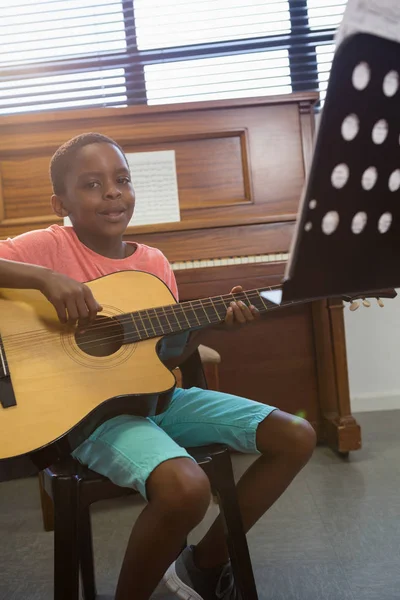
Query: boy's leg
x=179 y=495
x=285 y=444
x=134 y=452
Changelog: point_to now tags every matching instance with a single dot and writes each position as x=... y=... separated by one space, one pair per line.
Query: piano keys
x=229 y=261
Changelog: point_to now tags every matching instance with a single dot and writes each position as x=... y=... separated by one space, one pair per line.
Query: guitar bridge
x=7 y=396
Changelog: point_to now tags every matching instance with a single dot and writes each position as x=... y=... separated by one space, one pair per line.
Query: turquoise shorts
x=126 y=449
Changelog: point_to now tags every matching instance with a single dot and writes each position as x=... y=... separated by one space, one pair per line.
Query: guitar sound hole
x=103 y=338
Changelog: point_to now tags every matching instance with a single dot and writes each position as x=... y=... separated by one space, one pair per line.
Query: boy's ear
x=58 y=206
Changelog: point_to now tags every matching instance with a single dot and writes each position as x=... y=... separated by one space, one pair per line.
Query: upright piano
x=241 y=165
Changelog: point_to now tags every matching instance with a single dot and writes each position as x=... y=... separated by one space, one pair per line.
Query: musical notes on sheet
x=156 y=188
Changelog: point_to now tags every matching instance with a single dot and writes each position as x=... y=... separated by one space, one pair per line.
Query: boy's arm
x=20 y=275
x=72 y=300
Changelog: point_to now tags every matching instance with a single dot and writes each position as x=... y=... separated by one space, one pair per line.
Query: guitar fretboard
x=155 y=322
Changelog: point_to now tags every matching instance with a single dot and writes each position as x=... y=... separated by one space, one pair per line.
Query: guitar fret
x=213 y=306
x=163 y=320
x=265 y=305
x=143 y=318
x=255 y=300
x=150 y=321
x=155 y=322
x=194 y=312
x=176 y=319
x=158 y=324
x=247 y=298
x=180 y=316
x=226 y=302
x=200 y=312
x=221 y=305
x=210 y=312
x=135 y=324
x=168 y=321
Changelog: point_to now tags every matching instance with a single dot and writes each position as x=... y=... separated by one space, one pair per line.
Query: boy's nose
x=112 y=192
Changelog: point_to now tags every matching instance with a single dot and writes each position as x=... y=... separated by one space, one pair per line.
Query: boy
x=92 y=185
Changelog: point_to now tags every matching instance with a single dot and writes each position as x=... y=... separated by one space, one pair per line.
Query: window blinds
x=57 y=55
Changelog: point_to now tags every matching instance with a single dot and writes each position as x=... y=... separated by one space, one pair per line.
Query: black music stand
x=347 y=238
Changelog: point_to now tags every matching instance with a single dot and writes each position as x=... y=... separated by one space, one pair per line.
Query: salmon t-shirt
x=59 y=249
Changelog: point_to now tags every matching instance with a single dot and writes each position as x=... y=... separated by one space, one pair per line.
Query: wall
x=373 y=352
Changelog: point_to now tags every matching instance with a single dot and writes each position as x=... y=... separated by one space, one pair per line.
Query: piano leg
x=339 y=429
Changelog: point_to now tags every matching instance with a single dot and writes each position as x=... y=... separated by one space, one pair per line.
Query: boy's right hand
x=73 y=301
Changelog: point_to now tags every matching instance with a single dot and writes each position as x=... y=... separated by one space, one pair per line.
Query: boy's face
x=99 y=197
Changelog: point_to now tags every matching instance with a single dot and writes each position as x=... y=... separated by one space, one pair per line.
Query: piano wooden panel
x=237 y=162
x=241 y=167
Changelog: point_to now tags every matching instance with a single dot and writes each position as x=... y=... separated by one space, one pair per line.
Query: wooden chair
x=68 y=489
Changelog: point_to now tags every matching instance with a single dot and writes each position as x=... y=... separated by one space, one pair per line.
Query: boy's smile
x=114 y=214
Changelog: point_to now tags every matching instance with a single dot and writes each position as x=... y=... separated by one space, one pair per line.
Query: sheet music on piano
x=156 y=187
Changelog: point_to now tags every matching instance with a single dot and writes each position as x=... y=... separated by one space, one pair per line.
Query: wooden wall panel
x=26 y=188
x=220 y=242
x=211 y=171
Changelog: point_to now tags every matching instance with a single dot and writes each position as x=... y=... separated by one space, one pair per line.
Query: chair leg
x=66 y=554
x=86 y=555
x=47 y=505
x=222 y=481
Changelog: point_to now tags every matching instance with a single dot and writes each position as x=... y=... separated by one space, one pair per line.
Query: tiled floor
x=334 y=535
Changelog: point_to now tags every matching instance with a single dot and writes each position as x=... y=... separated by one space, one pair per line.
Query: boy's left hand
x=239 y=313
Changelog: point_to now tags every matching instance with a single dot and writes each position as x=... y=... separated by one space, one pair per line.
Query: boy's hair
x=62 y=160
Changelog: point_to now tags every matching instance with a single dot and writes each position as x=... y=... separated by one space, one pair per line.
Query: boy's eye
x=92 y=184
x=123 y=179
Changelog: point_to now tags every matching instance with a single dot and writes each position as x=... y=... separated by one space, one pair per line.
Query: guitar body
x=62 y=392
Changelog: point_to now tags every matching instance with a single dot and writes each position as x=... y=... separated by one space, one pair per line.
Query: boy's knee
x=180 y=489
x=304 y=440
x=281 y=433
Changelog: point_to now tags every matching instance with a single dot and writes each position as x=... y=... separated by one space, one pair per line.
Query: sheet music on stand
x=347 y=237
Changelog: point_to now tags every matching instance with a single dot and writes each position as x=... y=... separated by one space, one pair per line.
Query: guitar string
x=140 y=334
x=172 y=308
x=158 y=312
x=151 y=334
x=40 y=337
x=167 y=310
x=161 y=311
x=128 y=338
x=134 y=338
x=100 y=343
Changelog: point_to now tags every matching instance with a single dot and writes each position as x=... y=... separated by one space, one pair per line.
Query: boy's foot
x=189 y=582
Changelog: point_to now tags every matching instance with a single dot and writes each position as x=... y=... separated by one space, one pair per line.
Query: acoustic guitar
x=58 y=384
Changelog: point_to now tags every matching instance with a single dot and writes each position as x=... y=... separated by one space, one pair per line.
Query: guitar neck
x=194 y=314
